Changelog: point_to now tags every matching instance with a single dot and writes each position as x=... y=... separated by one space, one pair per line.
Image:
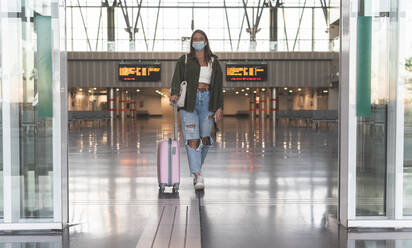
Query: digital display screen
x=139 y=72
x=246 y=72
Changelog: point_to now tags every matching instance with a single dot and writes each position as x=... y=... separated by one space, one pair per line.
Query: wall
x=234 y=104
x=307 y=99
x=285 y=69
x=151 y=104
x=84 y=101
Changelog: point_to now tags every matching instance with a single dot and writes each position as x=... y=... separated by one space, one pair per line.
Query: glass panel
x=406 y=75
x=36 y=160
x=1 y=129
x=372 y=105
x=373 y=243
x=26 y=110
x=172 y=26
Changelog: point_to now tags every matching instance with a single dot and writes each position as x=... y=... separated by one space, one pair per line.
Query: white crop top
x=205 y=74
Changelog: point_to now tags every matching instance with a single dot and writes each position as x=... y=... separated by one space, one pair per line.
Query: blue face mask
x=198 y=45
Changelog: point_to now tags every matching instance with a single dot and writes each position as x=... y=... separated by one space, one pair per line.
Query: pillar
x=132 y=104
x=274 y=104
x=257 y=104
x=123 y=104
x=111 y=31
x=273 y=19
x=268 y=101
x=117 y=103
x=127 y=103
x=262 y=105
x=110 y=100
x=333 y=98
x=252 y=106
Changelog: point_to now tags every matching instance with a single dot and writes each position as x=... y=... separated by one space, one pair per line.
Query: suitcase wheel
x=162 y=187
x=175 y=187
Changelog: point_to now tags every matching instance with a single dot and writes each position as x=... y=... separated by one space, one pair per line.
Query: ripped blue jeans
x=196 y=126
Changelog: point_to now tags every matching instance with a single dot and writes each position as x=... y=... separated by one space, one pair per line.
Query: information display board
x=139 y=72
x=246 y=71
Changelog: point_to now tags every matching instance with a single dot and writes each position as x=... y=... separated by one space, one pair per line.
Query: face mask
x=198 y=45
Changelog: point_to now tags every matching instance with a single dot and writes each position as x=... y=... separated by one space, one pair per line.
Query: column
x=273 y=24
x=274 y=106
x=110 y=101
x=252 y=106
x=123 y=104
x=111 y=31
x=262 y=104
x=257 y=104
x=116 y=103
x=132 y=104
x=268 y=102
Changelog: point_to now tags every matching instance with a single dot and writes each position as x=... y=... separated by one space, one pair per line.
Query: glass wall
x=376 y=114
x=372 y=107
x=1 y=128
x=31 y=127
x=406 y=77
x=302 y=25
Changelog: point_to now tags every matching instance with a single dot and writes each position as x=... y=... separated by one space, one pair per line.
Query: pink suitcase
x=168 y=161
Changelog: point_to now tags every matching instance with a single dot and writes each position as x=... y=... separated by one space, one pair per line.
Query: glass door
x=372 y=106
x=406 y=78
x=376 y=114
x=33 y=130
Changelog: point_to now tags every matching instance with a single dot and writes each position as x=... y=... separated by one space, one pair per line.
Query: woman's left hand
x=218 y=114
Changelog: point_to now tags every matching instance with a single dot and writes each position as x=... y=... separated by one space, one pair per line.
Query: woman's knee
x=194 y=143
x=206 y=141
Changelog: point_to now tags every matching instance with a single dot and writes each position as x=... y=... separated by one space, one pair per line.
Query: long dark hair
x=208 y=53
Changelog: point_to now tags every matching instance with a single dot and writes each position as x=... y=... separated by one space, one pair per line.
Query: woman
x=203 y=102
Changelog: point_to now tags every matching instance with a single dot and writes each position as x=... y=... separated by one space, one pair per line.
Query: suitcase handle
x=175 y=119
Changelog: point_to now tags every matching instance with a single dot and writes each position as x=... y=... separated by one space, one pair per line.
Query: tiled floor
x=265 y=187
x=271 y=187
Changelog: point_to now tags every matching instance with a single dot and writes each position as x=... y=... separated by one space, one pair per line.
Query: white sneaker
x=199 y=184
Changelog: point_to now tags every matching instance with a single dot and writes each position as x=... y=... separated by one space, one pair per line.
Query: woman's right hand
x=173 y=98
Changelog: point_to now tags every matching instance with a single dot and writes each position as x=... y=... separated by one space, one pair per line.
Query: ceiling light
x=127 y=91
x=254 y=91
x=137 y=90
x=117 y=89
x=224 y=91
x=246 y=94
x=290 y=91
x=299 y=89
x=90 y=91
x=243 y=90
x=94 y=88
x=325 y=91
x=285 y=88
x=237 y=92
x=80 y=89
x=247 y=88
x=263 y=89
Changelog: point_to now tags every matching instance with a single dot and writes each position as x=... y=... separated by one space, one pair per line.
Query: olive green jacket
x=192 y=77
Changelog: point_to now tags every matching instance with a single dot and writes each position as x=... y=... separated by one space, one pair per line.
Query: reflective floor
x=265 y=187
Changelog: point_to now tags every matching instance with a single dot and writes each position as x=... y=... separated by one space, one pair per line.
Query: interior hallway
x=263 y=188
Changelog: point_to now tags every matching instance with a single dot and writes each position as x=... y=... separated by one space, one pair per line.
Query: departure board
x=139 y=72
x=246 y=72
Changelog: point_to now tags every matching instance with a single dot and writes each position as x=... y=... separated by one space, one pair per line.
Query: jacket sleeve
x=177 y=78
x=219 y=87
